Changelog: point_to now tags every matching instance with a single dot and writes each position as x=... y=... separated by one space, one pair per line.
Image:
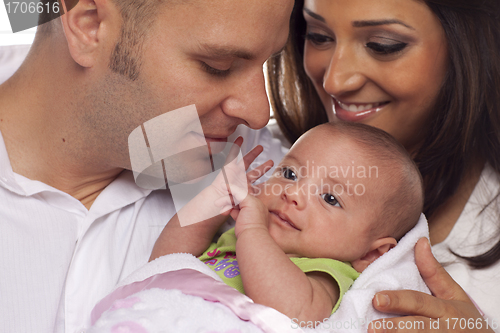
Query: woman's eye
x=318 y=39
x=215 y=71
x=385 y=49
x=330 y=199
x=288 y=174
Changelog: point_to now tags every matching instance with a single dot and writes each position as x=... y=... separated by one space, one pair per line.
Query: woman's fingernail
x=382 y=300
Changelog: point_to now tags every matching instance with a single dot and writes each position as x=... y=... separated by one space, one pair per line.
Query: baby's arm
x=196 y=235
x=194 y=238
x=271 y=278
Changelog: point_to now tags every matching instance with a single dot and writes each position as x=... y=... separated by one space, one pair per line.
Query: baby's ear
x=378 y=248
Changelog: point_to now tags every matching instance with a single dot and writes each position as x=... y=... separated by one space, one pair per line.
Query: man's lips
x=215 y=139
x=211 y=137
x=283 y=219
x=216 y=143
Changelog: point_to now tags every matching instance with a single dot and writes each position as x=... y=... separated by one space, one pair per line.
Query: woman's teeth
x=359 y=107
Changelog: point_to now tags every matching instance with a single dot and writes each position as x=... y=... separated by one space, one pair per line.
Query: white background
x=6 y=35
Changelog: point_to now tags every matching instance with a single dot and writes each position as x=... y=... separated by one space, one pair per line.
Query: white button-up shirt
x=58 y=259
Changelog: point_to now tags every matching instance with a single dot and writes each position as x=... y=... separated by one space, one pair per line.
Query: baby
x=343 y=196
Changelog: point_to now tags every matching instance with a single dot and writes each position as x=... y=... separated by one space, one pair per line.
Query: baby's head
x=344 y=191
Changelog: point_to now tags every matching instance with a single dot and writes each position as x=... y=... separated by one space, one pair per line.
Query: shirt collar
x=7 y=178
x=120 y=193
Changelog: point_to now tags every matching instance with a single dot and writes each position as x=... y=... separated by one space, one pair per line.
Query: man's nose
x=344 y=73
x=249 y=101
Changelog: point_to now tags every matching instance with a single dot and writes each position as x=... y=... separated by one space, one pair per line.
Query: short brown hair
x=137 y=16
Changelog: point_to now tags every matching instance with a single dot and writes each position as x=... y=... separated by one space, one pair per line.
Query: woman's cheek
x=315 y=66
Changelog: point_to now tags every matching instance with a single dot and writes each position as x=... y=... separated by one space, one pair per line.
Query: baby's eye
x=288 y=173
x=330 y=199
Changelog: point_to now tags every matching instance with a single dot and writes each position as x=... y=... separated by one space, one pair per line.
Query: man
x=72 y=223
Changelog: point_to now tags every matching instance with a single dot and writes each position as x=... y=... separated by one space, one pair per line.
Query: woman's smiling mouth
x=356 y=111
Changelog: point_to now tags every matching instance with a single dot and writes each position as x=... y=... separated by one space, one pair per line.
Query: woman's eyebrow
x=314 y=15
x=360 y=24
x=372 y=23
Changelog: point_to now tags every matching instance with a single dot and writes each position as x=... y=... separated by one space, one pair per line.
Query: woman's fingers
x=435 y=276
x=408 y=302
x=429 y=313
x=442 y=286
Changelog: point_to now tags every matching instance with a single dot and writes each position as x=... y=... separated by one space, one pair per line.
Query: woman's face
x=379 y=62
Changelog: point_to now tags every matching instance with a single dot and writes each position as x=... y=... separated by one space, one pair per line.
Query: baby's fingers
x=234 y=151
x=226 y=203
x=252 y=155
x=259 y=171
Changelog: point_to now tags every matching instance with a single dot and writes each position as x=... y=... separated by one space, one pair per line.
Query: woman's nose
x=344 y=73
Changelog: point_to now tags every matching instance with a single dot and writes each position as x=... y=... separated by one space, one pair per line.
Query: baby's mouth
x=284 y=219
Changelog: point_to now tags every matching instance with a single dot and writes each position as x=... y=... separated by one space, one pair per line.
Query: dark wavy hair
x=467 y=122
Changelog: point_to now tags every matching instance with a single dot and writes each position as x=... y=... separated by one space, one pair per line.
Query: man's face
x=207 y=53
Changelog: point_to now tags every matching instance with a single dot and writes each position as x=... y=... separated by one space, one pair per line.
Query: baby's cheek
x=261 y=191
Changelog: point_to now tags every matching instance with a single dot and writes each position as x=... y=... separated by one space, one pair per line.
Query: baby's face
x=323 y=198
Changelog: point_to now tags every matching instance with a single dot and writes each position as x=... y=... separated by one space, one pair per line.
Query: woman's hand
x=448 y=310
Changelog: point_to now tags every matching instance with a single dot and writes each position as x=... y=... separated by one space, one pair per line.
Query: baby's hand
x=251 y=214
x=232 y=175
x=232 y=184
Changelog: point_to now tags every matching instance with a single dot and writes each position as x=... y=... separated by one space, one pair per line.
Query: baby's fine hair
x=404 y=202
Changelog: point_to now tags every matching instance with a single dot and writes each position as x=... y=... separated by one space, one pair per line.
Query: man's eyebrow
x=373 y=23
x=314 y=15
x=226 y=52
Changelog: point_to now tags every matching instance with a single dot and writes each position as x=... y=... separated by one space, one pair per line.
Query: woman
x=427 y=72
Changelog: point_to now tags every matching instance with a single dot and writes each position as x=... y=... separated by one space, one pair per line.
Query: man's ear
x=85 y=27
x=378 y=248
